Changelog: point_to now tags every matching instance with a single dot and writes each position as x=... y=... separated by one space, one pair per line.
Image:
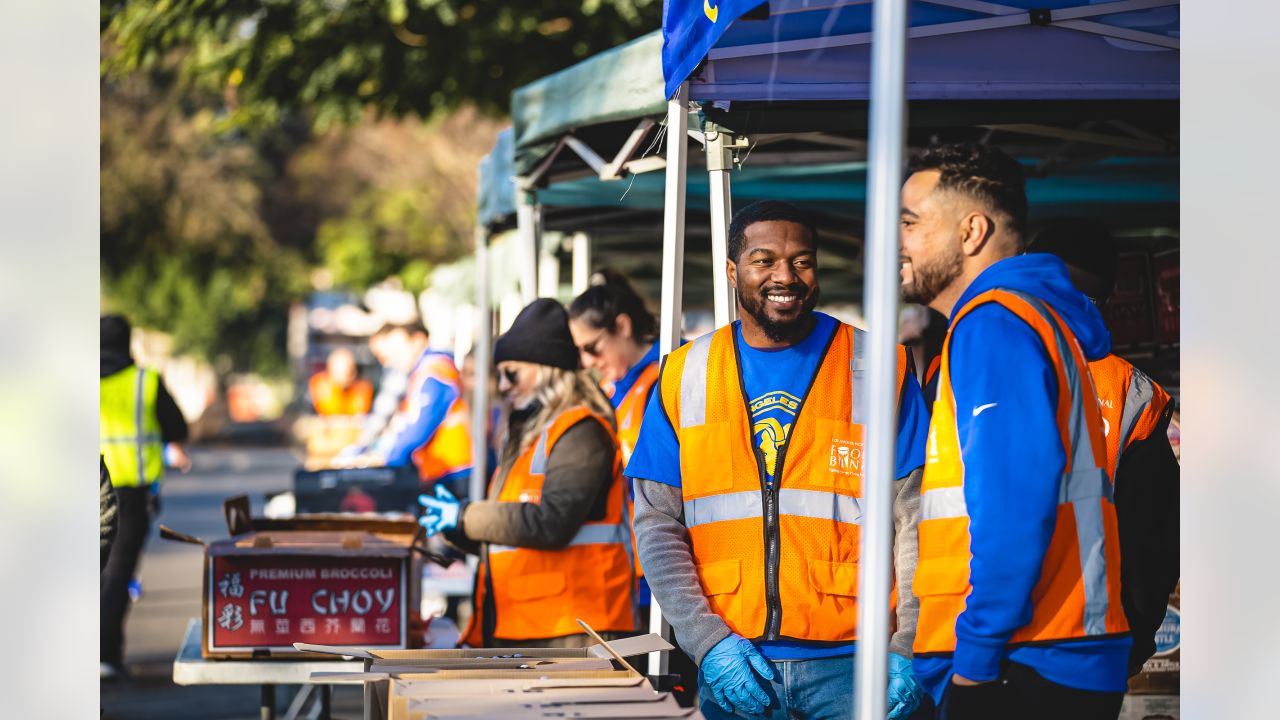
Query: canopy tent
x=959 y=49
x=1084 y=94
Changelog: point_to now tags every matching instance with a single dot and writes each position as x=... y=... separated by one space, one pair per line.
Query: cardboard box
x=1161 y=673
x=411 y=684
x=342 y=580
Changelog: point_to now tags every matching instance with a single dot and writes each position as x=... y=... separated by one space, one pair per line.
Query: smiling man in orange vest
x=1019 y=572
x=748 y=474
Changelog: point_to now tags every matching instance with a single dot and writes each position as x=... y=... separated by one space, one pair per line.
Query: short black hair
x=114 y=333
x=981 y=172
x=1086 y=246
x=764 y=211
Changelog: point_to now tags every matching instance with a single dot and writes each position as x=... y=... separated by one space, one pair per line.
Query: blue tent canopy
x=959 y=49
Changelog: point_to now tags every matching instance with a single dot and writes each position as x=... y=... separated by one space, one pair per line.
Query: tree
x=338 y=58
x=184 y=248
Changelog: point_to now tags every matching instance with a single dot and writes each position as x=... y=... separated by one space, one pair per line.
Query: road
x=171 y=581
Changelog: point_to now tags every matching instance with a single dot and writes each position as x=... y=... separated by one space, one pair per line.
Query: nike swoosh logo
x=978 y=410
x=711 y=11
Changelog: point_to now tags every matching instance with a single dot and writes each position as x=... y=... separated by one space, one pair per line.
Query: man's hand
x=727 y=667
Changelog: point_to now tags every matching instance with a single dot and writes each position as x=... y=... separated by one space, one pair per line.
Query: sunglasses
x=511 y=374
x=593 y=348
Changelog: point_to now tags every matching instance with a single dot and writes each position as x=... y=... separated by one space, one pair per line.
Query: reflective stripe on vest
x=1084 y=485
x=772 y=572
x=1136 y=401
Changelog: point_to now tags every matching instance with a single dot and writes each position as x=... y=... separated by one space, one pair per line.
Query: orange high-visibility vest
x=448 y=450
x=539 y=594
x=1078 y=594
x=783 y=561
x=1132 y=405
x=630 y=414
x=330 y=398
x=631 y=410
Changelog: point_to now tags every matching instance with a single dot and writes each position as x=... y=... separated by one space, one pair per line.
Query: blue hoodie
x=1006 y=396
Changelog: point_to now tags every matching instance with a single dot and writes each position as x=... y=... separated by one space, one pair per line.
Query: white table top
x=189 y=668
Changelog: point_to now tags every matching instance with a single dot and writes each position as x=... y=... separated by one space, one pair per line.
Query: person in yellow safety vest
x=137 y=417
x=554 y=534
x=1019 y=570
x=431 y=430
x=748 y=476
x=1135 y=420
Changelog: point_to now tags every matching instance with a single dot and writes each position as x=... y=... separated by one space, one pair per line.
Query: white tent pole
x=581 y=262
x=880 y=298
x=529 y=230
x=482 y=348
x=719 y=149
x=670 y=311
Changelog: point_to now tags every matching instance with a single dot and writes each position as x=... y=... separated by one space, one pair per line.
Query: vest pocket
x=941 y=576
x=834 y=578
x=537 y=585
x=706 y=458
x=720 y=583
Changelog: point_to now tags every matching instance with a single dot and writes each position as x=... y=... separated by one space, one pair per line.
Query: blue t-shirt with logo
x=775 y=381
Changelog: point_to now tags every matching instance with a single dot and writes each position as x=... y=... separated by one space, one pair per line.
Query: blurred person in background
x=430 y=429
x=392 y=382
x=554 y=534
x=338 y=389
x=1136 y=413
x=137 y=419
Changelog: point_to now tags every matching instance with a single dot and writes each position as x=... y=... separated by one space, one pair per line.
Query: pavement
x=171 y=581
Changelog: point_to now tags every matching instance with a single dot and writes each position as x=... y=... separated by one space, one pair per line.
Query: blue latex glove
x=441 y=511
x=727 y=667
x=905 y=694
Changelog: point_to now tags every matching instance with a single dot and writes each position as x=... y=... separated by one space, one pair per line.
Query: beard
x=782 y=329
x=929 y=279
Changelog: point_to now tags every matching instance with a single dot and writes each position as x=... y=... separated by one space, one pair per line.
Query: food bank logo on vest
x=845 y=457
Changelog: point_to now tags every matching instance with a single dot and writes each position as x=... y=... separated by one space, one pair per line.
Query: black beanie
x=539 y=335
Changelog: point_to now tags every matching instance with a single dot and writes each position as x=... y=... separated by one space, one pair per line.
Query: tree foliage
x=339 y=58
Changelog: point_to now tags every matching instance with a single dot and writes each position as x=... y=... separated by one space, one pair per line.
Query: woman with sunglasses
x=615 y=333
x=554 y=534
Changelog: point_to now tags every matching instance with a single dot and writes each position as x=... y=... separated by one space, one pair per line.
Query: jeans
x=801 y=689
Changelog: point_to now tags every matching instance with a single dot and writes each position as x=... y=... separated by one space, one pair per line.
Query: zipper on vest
x=769 y=493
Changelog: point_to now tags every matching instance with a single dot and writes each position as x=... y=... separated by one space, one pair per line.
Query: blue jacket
x=1005 y=392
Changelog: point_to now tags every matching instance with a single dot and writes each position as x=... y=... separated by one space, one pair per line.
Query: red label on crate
x=271 y=603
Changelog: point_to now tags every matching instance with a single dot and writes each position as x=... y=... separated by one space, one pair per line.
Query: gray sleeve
x=663 y=544
x=579 y=471
x=906 y=552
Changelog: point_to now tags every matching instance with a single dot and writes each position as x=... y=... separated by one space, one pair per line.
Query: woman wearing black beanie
x=554 y=534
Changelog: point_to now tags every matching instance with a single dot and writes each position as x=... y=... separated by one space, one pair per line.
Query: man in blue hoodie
x=1018 y=574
